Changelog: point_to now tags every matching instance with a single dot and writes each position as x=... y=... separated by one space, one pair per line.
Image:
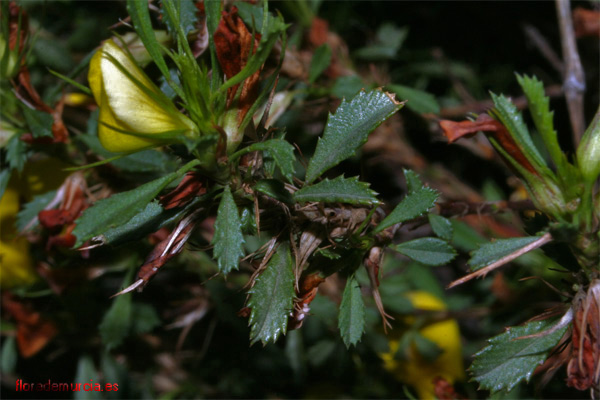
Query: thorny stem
x=546 y=238
x=574 y=79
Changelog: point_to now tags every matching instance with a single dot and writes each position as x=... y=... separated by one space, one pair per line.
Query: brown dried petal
x=456 y=130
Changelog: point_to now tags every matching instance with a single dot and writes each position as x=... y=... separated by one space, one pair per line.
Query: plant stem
x=574 y=79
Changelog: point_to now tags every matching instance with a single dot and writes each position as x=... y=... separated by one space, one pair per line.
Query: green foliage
x=428 y=349
x=121 y=207
x=417 y=100
x=352 y=313
x=319 y=63
x=149 y=220
x=295 y=232
x=147 y=161
x=441 y=226
x=228 y=239
x=185 y=18
x=430 y=251
x=116 y=324
x=271 y=298
x=140 y=16
x=340 y=189
x=4 y=178
x=9 y=355
x=347 y=86
x=413 y=205
x=348 y=129
x=145 y=319
x=513 y=120
x=251 y=14
x=491 y=252
x=282 y=153
x=509 y=359
x=31 y=209
x=39 y=122
x=86 y=373
x=539 y=108
x=274 y=188
x=388 y=41
x=16 y=153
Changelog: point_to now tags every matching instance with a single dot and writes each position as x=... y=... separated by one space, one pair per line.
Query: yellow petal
x=16 y=266
x=417 y=371
x=126 y=104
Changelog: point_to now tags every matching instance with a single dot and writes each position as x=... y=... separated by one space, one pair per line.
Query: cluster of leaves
x=270 y=219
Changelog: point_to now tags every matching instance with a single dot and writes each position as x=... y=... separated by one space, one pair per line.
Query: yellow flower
x=37 y=177
x=416 y=370
x=134 y=113
x=16 y=265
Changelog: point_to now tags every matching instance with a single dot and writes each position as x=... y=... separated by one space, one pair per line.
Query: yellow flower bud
x=132 y=108
x=418 y=372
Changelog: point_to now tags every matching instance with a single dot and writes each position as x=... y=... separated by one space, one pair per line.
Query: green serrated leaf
x=507 y=113
x=413 y=182
x=418 y=100
x=491 y=252
x=319 y=63
x=441 y=226
x=430 y=251
x=413 y=205
x=340 y=189
x=16 y=152
x=228 y=239
x=507 y=360
x=121 y=207
x=149 y=220
x=39 y=122
x=86 y=372
x=539 y=108
x=116 y=324
x=274 y=188
x=31 y=209
x=145 y=319
x=348 y=129
x=281 y=151
x=271 y=298
x=352 y=313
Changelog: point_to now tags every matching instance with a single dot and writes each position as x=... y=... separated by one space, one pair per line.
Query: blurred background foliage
x=182 y=335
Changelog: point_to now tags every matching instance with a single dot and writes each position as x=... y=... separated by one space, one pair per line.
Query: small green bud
x=588 y=152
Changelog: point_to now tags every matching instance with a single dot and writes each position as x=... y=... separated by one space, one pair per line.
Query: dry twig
x=574 y=79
